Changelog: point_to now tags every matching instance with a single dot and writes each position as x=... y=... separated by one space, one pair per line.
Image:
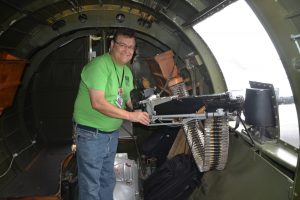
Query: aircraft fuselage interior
x=234 y=142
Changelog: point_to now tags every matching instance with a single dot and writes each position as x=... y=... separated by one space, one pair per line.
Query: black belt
x=88 y=128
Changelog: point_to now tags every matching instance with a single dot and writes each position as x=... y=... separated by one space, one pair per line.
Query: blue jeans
x=95 y=160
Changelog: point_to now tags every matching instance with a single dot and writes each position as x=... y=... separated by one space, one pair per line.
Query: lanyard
x=120 y=83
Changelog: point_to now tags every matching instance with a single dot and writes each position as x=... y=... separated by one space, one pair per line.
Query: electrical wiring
x=16 y=155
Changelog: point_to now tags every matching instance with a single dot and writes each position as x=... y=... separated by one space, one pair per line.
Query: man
x=99 y=109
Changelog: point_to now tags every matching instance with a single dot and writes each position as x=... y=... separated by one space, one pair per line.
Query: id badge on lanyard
x=119 y=100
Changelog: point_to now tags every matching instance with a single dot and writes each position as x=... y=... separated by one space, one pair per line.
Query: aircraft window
x=245 y=53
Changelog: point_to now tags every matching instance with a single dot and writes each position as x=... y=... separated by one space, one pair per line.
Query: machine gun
x=175 y=110
x=204 y=120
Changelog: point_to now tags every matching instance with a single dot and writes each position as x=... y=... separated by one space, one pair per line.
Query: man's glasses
x=123 y=46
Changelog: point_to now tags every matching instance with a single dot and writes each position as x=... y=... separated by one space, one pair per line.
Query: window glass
x=245 y=53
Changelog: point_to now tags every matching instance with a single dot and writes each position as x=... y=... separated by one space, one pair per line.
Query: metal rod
x=166 y=124
x=295 y=37
x=104 y=40
x=180 y=116
x=249 y=134
x=200 y=116
x=297 y=45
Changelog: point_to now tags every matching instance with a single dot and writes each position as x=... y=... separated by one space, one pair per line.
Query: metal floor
x=42 y=177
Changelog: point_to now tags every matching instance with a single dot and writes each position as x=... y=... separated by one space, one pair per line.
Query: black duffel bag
x=159 y=143
x=176 y=179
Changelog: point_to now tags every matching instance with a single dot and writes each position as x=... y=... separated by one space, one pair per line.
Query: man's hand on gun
x=140 y=117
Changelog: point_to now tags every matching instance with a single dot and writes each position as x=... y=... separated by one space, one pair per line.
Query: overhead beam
x=208 y=11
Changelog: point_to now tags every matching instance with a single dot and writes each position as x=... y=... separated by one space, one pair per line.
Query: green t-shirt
x=100 y=74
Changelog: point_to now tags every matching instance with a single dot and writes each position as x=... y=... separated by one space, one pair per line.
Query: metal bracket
x=155 y=100
x=295 y=38
x=182 y=119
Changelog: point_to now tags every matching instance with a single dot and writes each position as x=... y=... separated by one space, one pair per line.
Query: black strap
x=120 y=83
